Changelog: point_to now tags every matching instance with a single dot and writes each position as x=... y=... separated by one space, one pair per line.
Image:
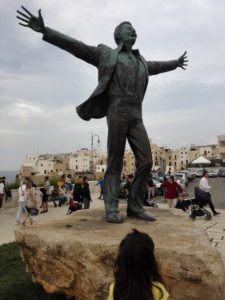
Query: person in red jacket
x=171 y=187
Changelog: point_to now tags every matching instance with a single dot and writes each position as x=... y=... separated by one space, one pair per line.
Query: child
x=73 y=206
x=136 y=271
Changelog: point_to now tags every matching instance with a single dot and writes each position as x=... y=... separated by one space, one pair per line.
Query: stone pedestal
x=75 y=254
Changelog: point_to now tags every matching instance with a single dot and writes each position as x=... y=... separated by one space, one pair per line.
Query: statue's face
x=128 y=34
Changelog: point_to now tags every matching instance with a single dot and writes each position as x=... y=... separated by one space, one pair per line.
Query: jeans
x=21 y=210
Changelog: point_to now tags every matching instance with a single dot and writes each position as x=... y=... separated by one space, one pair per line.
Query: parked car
x=182 y=176
x=221 y=173
x=190 y=175
x=158 y=189
x=182 y=181
x=199 y=173
x=213 y=174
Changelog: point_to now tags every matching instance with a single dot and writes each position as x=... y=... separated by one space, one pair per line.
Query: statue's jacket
x=104 y=58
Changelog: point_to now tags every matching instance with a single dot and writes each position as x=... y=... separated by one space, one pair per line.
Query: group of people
x=63 y=192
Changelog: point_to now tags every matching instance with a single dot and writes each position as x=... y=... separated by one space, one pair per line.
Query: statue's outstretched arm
x=90 y=54
x=156 y=67
x=29 y=20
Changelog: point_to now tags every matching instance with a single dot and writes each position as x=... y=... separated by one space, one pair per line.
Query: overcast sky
x=40 y=85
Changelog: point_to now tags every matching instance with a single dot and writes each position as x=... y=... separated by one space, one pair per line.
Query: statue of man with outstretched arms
x=122 y=82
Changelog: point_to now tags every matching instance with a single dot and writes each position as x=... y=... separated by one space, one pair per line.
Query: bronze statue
x=122 y=82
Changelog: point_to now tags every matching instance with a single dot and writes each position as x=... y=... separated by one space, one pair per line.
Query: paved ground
x=215 y=228
x=217 y=190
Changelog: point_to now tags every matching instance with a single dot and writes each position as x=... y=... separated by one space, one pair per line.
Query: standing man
x=171 y=188
x=86 y=193
x=46 y=193
x=101 y=184
x=78 y=191
x=22 y=201
x=123 y=79
x=2 y=186
x=204 y=185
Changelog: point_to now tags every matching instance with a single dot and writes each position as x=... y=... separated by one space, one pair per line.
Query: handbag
x=33 y=211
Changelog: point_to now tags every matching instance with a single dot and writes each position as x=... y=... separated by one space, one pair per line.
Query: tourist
x=30 y=203
x=151 y=188
x=62 y=180
x=55 y=194
x=101 y=184
x=1 y=192
x=136 y=270
x=171 y=188
x=68 y=182
x=203 y=185
x=22 y=201
x=78 y=191
x=62 y=195
x=86 y=193
x=45 y=191
x=128 y=183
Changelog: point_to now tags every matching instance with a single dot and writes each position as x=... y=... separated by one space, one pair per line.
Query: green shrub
x=15 y=283
x=13 y=186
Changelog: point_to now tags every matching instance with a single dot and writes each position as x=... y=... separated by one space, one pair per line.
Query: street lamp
x=92 y=151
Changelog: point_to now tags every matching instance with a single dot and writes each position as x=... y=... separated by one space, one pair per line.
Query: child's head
x=136 y=267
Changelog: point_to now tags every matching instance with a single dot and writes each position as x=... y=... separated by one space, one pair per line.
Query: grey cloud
x=37 y=75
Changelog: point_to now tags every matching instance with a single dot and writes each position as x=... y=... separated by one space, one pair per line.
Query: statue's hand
x=35 y=23
x=182 y=61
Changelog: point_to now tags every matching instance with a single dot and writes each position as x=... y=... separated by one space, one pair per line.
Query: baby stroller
x=195 y=206
x=73 y=206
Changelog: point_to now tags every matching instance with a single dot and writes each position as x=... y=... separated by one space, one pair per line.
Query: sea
x=10 y=176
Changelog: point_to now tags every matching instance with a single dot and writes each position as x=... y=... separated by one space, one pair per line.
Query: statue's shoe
x=142 y=215
x=114 y=218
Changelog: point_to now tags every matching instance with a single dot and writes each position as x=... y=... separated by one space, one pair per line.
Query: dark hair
x=46 y=177
x=135 y=268
x=117 y=31
x=204 y=172
x=171 y=177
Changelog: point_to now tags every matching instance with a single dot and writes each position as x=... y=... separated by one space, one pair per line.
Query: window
x=175 y=156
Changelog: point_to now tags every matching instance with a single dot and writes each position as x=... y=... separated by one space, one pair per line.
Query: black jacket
x=86 y=191
x=78 y=192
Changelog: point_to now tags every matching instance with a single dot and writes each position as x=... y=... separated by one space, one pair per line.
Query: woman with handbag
x=30 y=204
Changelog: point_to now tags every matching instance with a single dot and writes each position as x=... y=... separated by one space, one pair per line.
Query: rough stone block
x=75 y=254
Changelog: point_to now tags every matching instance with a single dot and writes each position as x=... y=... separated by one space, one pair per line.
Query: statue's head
x=125 y=33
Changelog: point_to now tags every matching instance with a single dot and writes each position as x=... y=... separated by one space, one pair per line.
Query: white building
x=45 y=167
x=80 y=163
x=221 y=145
x=101 y=168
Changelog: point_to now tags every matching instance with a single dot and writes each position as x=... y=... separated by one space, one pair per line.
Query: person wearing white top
x=22 y=201
x=1 y=192
x=204 y=185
